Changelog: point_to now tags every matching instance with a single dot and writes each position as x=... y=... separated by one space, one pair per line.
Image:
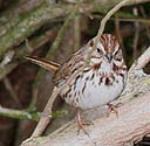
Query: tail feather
x=46 y=64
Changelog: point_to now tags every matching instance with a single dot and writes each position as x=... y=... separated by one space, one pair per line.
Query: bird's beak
x=109 y=57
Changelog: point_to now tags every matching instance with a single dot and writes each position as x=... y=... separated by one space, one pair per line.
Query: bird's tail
x=46 y=64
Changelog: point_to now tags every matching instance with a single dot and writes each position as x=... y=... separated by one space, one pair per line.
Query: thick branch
x=132 y=123
x=144 y=59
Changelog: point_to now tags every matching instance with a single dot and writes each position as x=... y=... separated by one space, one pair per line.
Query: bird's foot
x=113 y=108
x=81 y=124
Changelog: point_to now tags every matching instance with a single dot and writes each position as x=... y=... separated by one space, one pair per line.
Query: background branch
x=109 y=14
x=19 y=114
x=44 y=121
x=34 y=19
x=144 y=59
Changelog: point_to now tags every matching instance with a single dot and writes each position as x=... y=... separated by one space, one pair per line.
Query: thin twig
x=104 y=21
x=12 y=93
x=125 y=19
x=109 y=14
x=7 y=69
x=19 y=114
x=47 y=114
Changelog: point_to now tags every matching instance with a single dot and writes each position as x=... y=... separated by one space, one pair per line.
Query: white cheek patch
x=89 y=48
x=95 y=61
x=116 y=47
x=118 y=63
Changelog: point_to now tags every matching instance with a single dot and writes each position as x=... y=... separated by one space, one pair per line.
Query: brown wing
x=68 y=68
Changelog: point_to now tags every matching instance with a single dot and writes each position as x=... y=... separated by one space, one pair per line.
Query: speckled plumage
x=100 y=81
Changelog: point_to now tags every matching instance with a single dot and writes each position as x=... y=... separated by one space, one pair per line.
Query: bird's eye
x=99 y=51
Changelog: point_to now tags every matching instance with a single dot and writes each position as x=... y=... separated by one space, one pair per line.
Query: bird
x=96 y=74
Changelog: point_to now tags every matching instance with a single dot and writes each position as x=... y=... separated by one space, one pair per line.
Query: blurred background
x=54 y=29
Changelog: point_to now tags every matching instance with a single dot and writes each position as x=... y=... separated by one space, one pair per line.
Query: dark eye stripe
x=116 y=52
x=118 y=59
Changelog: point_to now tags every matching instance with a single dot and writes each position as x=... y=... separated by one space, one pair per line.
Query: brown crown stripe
x=109 y=42
x=104 y=41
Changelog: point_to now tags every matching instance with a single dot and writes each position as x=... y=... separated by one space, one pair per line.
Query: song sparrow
x=94 y=80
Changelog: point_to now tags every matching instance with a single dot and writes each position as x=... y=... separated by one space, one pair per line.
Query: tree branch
x=47 y=114
x=19 y=114
x=144 y=59
x=108 y=15
x=24 y=26
x=131 y=125
x=33 y=21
